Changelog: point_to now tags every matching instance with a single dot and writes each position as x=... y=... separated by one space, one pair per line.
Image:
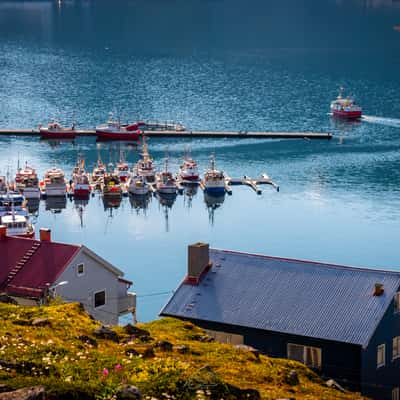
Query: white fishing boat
x=214 y=180
x=165 y=182
x=27 y=182
x=145 y=166
x=53 y=183
x=18 y=225
x=13 y=203
x=137 y=185
x=122 y=171
x=99 y=171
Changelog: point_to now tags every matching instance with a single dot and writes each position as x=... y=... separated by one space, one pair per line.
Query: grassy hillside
x=165 y=359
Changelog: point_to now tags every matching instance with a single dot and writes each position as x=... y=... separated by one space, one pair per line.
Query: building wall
x=83 y=288
x=378 y=383
x=340 y=361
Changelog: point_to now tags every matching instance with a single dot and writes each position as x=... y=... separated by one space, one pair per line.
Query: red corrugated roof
x=42 y=266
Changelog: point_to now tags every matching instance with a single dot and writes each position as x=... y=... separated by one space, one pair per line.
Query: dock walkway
x=191 y=134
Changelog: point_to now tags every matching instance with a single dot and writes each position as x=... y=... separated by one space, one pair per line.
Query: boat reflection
x=190 y=191
x=140 y=202
x=212 y=203
x=166 y=201
x=33 y=205
x=57 y=142
x=56 y=204
x=111 y=202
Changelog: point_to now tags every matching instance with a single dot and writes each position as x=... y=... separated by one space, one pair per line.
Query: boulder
x=41 y=322
x=292 y=378
x=163 y=345
x=129 y=392
x=104 y=332
x=182 y=349
x=30 y=393
x=131 y=351
x=148 y=352
x=88 y=340
x=134 y=330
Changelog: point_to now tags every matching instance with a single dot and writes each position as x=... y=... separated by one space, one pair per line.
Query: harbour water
x=215 y=65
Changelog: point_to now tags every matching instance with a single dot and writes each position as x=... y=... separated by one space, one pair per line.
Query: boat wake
x=395 y=122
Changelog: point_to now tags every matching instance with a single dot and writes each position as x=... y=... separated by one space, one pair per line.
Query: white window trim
x=319 y=353
x=77 y=269
x=381 y=346
x=394 y=357
x=396 y=393
x=94 y=299
x=397 y=303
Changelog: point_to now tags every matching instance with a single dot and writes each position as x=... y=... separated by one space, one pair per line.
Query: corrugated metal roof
x=297 y=297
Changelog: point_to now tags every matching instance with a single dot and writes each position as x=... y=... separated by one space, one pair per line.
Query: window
x=380 y=358
x=100 y=298
x=396 y=394
x=308 y=355
x=396 y=347
x=397 y=302
x=80 y=269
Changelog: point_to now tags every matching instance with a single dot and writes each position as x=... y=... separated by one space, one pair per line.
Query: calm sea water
x=215 y=64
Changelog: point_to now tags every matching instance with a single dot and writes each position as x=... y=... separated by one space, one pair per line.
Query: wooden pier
x=191 y=134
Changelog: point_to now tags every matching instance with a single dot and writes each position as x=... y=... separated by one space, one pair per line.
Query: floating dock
x=190 y=134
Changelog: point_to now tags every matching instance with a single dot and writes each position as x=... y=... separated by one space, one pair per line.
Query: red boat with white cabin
x=345 y=107
x=188 y=171
x=54 y=130
x=114 y=130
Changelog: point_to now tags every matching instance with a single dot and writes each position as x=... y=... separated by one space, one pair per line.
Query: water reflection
x=212 y=203
x=190 y=191
x=33 y=206
x=166 y=201
x=140 y=202
x=111 y=202
x=56 y=204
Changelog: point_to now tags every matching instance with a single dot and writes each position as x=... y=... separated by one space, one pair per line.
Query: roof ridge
x=321 y=263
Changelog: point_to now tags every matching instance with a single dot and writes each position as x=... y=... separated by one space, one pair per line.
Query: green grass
x=54 y=357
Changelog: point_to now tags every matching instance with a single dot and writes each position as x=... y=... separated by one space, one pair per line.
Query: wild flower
x=118 y=368
x=105 y=373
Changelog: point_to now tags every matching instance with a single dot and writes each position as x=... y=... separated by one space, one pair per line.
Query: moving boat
x=165 y=182
x=114 y=130
x=214 y=180
x=145 y=166
x=53 y=183
x=18 y=225
x=54 y=130
x=137 y=185
x=111 y=186
x=27 y=182
x=345 y=107
x=188 y=170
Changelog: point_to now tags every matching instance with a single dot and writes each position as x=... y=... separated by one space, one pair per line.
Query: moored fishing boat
x=145 y=166
x=3 y=184
x=99 y=171
x=80 y=185
x=345 y=107
x=122 y=171
x=13 y=203
x=165 y=182
x=111 y=186
x=54 y=130
x=161 y=126
x=53 y=183
x=18 y=225
x=214 y=180
x=137 y=185
x=113 y=130
x=188 y=170
x=27 y=182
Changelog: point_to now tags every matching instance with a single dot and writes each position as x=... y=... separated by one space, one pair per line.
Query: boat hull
x=347 y=114
x=166 y=189
x=139 y=191
x=108 y=135
x=191 y=178
x=67 y=134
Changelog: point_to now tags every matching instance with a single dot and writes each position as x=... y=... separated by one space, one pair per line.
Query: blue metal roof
x=289 y=296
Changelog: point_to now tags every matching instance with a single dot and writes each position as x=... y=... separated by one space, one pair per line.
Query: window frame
x=396 y=393
x=83 y=269
x=397 y=355
x=378 y=348
x=94 y=298
x=308 y=350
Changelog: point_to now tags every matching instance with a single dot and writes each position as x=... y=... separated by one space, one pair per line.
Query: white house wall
x=82 y=288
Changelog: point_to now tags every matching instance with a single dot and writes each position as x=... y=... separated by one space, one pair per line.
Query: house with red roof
x=33 y=270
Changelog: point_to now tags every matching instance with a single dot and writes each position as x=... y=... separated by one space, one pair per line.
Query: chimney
x=3 y=232
x=198 y=261
x=45 y=235
x=378 y=289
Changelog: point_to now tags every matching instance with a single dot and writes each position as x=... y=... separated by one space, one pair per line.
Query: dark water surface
x=215 y=64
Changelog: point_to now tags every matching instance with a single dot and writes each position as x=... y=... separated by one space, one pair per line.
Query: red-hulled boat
x=345 y=107
x=113 y=130
x=55 y=131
